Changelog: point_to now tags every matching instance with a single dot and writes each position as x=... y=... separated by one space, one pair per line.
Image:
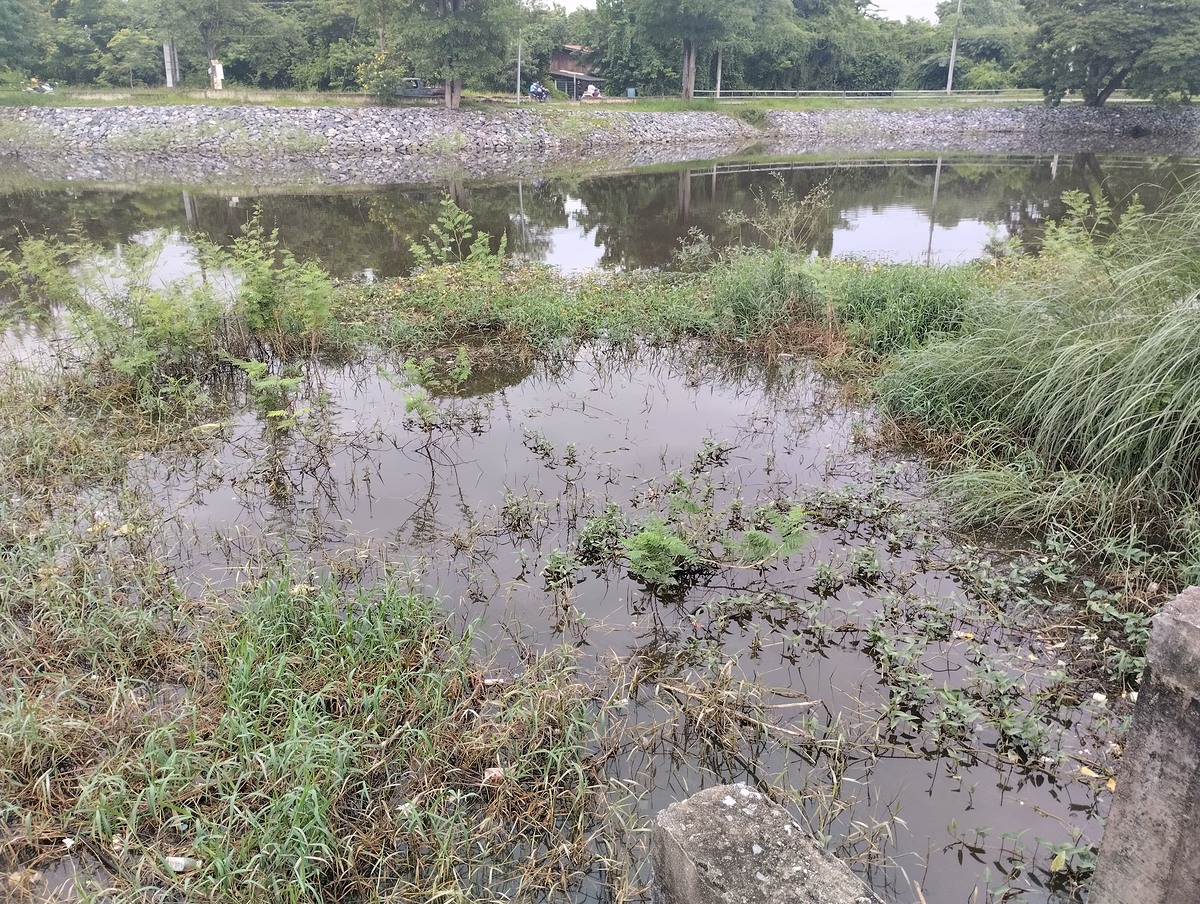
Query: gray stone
x=1150 y=853
x=280 y=146
x=731 y=845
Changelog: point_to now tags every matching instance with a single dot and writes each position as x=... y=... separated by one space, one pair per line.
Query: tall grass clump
x=1088 y=359
x=760 y=292
x=757 y=293
x=888 y=309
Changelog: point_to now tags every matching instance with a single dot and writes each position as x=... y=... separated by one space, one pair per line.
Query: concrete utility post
x=171 y=63
x=1151 y=848
x=954 y=49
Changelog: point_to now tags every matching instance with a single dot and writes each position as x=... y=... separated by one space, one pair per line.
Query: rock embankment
x=1124 y=127
x=284 y=145
x=327 y=145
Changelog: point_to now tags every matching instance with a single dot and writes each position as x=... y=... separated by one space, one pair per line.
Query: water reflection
x=937 y=209
x=520 y=463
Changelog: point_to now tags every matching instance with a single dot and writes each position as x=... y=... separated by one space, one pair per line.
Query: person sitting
x=538 y=91
x=592 y=92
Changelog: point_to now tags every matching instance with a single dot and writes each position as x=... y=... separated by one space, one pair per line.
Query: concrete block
x=1150 y=853
x=731 y=845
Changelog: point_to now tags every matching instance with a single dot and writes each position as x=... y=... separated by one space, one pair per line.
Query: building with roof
x=572 y=70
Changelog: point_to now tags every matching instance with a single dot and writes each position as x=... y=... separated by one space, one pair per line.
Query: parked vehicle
x=415 y=87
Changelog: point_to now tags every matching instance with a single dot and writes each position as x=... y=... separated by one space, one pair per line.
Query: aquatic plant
x=453 y=239
x=149 y=340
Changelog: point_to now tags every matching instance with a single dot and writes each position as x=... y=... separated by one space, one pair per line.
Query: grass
x=309 y=744
x=68 y=95
x=1074 y=386
x=740 y=106
x=899 y=307
x=73 y=96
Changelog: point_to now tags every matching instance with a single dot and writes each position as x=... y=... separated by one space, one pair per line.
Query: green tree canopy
x=19 y=35
x=629 y=60
x=984 y=13
x=696 y=23
x=459 y=38
x=1095 y=47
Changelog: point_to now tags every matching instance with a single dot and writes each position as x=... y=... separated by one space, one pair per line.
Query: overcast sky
x=889 y=9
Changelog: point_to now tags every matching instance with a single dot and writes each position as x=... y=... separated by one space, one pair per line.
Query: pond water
x=476 y=504
x=925 y=723
x=940 y=209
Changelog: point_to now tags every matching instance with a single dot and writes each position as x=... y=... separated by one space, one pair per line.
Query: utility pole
x=171 y=63
x=518 y=69
x=954 y=49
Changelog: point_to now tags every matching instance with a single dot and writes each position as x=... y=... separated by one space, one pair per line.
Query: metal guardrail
x=1015 y=94
x=913 y=161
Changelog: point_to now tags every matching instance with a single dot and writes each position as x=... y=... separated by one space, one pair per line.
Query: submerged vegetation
x=325 y=730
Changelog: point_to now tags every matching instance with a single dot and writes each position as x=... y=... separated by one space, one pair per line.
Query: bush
x=988 y=76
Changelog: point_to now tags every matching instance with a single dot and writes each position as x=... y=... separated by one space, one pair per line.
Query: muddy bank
x=286 y=146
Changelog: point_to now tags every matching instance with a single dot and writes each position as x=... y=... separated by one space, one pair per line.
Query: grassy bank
x=69 y=96
x=298 y=742
x=1072 y=391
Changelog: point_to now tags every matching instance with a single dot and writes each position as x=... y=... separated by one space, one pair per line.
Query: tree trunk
x=208 y=37
x=1096 y=89
x=1113 y=84
x=381 y=29
x=454 y=83
x=689 y=69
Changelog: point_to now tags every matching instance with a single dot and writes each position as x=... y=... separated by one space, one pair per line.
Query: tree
x=459 y=38
x=840 y=48
x=18 y=37
x=983 y=13
x=131 y=56
x=697 y=23
x=215 y=22
x=627 y=59
x=1152 y=47
x=772 y=25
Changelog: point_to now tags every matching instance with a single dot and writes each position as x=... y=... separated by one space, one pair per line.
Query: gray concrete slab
x=731 y=845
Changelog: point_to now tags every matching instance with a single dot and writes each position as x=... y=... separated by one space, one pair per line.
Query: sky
x=888 y=9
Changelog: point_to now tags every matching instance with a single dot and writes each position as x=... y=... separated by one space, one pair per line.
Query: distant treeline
x=1088 y=47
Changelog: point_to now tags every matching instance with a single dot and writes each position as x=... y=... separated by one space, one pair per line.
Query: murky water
x=476 y=503
x=940 y=209
x=513 y=465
